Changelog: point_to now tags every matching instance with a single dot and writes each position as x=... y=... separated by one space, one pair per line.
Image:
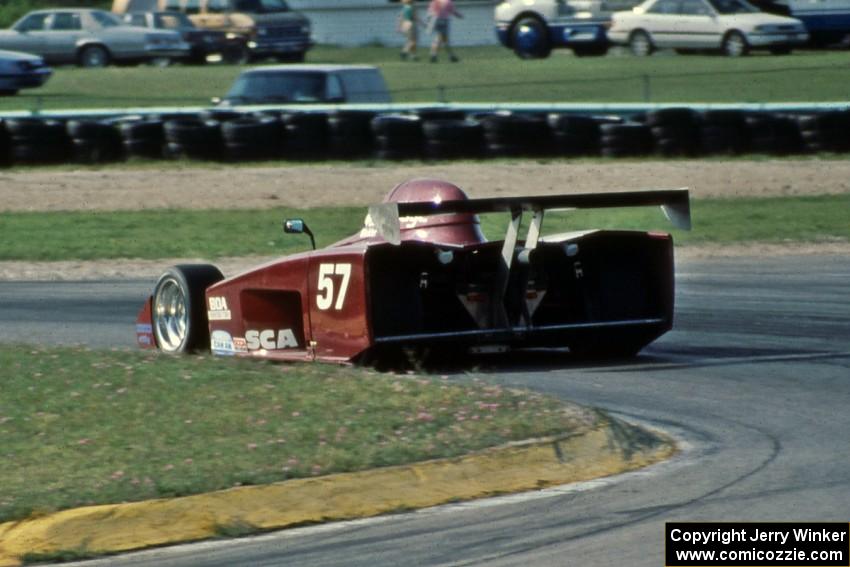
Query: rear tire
x=530 y=39
x=179 y=311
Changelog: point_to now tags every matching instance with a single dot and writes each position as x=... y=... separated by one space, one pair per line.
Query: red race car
x=421 y=274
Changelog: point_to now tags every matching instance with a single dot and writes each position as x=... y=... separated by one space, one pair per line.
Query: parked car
x=827 y=21
x=733 y=27
x=288 y=84
x=203 y=44
x=89 y=38
x=532 y=28
x=269 y=28
x=21 y=71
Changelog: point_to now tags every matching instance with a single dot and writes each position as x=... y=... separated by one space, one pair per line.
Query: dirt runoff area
x=222 y=187
x=303 y=186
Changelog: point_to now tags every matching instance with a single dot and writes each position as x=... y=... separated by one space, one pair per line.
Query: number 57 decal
x=325 y=287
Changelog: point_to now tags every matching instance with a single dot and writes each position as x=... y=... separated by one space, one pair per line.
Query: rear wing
x=674 y=202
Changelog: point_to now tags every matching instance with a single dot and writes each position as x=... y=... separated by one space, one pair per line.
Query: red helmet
x=452 y=228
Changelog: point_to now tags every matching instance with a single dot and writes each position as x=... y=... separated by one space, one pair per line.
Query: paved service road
x=755 y=381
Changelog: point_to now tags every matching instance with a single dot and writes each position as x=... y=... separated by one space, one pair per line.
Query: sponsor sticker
x=222 y=343
x=270 y=340
x=218 y=310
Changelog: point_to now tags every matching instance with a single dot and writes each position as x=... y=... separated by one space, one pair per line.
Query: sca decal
x=218 y=309
x=270 y=340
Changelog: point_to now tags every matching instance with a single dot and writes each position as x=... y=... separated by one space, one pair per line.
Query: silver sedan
x=90 y=38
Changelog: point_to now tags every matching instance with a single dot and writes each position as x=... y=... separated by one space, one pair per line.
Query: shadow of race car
x=420 y=274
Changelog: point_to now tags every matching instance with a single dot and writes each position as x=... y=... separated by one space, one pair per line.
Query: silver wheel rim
x=734 y=45
x=171 y=316
x=640 y=45
x=94 y=58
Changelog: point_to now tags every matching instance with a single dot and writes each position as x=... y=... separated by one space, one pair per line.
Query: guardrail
x=617 y=109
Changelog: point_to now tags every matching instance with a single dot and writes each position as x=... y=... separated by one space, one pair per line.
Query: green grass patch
x=492 y=74
x=80 y=427
x=214 y=234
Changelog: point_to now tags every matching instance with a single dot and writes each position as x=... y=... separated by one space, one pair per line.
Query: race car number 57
x=325 y=288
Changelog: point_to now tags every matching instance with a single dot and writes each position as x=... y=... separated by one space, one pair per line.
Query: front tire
x=640 y=44
x=530 y=39
x=296 y=57
x=735 y=45
x=93 y=56
x=179 y=310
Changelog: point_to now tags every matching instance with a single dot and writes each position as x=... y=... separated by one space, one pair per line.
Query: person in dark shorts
x=439 y=14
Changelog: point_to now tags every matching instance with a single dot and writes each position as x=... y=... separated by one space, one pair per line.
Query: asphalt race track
x=754 y=381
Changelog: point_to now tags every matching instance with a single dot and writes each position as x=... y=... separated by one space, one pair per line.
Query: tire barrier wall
x=438 y=134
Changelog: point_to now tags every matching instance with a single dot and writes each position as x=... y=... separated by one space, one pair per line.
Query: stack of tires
x=251 y=138
x=5 y=145
x=508 y=134
x=626 y=139
x=826 y=132
x=35 y=141
x=95 y=142
x=193 y=138
x=574 y=135
x=398 y=136
x=305 y=135
x=143 y=138
x=453 y=139
x=724 y=132
x=350 y=133
x=426 y=114
x=676 y=131
x=774 y=134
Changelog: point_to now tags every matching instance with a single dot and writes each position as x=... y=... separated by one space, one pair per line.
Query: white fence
x=363 y=22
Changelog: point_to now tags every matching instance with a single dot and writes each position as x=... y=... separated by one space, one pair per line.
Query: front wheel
x=530 y=39
x=640 y=44
x=236 y=54
x=296 y=57
x=179 y=307
x=93 y=56
x=735 y=45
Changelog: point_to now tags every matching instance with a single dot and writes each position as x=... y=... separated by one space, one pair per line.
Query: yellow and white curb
x=607 y=449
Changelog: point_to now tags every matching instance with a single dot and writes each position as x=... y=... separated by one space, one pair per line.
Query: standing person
x=407 y=26
x=440 y=12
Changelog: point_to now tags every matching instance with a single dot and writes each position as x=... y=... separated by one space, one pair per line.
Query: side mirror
x=298 y=226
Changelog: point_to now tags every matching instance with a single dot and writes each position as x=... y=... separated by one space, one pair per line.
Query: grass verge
x=214 y=234
x=491 y=73
x=79 y=427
